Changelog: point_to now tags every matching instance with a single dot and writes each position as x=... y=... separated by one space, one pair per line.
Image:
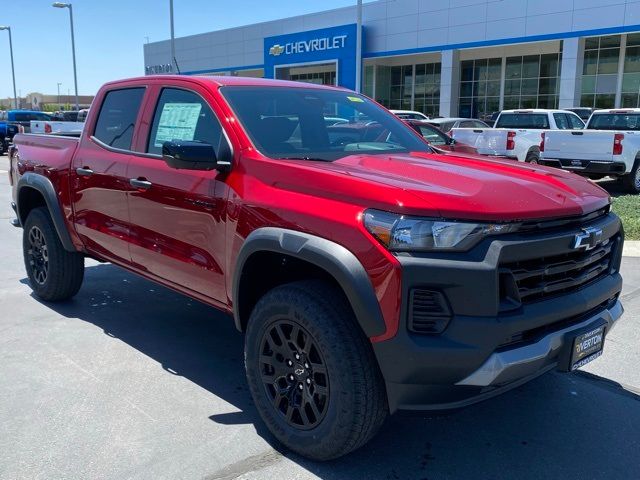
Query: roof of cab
x=221 y=81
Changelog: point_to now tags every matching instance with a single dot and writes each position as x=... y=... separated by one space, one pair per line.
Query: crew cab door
x=178 y=216
x=99 y=181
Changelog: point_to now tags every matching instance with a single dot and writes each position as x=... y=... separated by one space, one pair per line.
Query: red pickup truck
x=369 y=274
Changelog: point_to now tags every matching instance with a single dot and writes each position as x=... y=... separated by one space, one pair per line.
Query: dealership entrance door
x=321 y=74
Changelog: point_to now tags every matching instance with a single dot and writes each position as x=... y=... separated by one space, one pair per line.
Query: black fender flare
x=44 y=186
x=333 y=258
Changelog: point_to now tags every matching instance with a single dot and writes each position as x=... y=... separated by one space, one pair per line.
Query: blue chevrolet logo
x=588 y=239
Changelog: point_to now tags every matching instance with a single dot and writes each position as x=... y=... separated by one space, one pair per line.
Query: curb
x=631 y=248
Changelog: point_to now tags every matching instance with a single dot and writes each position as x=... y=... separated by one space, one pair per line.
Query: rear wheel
x=533 y=158
x=311 y=371
x=54 y=273
x=631 y=181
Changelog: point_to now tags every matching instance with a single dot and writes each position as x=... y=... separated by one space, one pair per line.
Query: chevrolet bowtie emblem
x=588 y=239
x=276 y=50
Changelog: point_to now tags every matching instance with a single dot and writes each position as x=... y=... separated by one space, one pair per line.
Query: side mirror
x=191 y=155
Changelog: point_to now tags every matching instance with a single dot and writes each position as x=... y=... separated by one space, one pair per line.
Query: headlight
x=402 y=233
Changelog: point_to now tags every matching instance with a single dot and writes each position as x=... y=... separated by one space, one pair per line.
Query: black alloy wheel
x=294 y=374
x=38 y=255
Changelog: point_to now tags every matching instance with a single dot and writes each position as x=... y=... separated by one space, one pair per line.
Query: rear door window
x=183 y=115
x=575 y=121
x=117 y=117
x=561 y=121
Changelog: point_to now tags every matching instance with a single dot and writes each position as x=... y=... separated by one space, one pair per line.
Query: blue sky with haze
x=110 y=34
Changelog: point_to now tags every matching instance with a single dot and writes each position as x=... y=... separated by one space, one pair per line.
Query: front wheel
x=311 y=371
x=631 y=181
x=54 y=273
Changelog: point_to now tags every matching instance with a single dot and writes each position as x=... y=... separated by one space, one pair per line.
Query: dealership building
x=465 y=58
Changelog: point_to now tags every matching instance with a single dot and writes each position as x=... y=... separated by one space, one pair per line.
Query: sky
x=109 y=36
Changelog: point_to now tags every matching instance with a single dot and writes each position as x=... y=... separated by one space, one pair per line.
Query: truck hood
x=455 y=186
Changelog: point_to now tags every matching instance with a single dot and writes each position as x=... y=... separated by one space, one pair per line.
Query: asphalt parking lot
x=132 y=381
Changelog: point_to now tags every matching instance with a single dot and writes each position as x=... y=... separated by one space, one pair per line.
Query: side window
x=561 y=121
x=477 y=124
x=183 y=115
x=467 y=124
x=117 y=117
x=432 y=136
x=575 y=121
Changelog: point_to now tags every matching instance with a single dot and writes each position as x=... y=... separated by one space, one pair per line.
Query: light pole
x=59 y=95
x=359 y=46
x=73 y=46
x=13 y=71
x=173 y=39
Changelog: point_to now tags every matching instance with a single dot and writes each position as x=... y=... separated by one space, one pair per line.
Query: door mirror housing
x=192 y=155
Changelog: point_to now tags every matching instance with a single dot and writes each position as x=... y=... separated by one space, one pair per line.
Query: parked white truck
x=517 y=133
x=55 y=126
x=609 y=146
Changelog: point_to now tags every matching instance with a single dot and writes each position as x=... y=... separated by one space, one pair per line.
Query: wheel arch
x=313 y=257
x=35 y=191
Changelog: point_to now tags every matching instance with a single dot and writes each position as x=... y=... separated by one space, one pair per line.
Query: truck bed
x=51 y=151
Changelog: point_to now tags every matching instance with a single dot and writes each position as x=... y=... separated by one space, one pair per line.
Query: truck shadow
x=559 y=426
x=614 y=187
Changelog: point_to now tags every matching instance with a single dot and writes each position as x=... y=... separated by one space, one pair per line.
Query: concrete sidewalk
x=631 y=248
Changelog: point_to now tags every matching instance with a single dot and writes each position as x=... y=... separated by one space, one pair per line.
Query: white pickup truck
x=517 y=133
x=53 y=126
x=609 y=146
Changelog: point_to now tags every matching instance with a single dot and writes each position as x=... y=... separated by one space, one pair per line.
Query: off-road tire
x=60 y=273
x=357 y=404
x=631 y=181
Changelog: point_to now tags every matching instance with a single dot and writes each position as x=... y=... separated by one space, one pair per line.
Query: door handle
x=84 y=172
x=140 y=183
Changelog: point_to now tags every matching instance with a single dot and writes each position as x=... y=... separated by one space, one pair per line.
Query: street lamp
x=13 y=72
x=173 y=39
x=359 y=46
x=59 y=107
x=73 y=46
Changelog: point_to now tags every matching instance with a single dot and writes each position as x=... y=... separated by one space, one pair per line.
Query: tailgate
x=488 y=141
x=579 y=145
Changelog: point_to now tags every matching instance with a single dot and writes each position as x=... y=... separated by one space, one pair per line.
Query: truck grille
x=534 y=279
x=428 y=311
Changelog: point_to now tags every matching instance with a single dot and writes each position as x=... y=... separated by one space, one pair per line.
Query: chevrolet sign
x=305 y=46
x=276 y=50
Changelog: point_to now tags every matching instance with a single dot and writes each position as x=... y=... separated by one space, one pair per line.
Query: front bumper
x=489 y=347
x=587 y=167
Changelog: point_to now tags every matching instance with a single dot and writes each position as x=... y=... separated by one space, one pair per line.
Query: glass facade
x=631 y=76
x=367 y=81
x=532 y=81
x=427 y=88
x=480 y=87
x=600 y=71
x=408 y=87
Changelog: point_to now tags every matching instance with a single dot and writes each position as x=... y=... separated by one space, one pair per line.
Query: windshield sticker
x=178 y=121
x=356 y=99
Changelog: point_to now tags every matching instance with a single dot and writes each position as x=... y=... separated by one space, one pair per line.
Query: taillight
x=511 y=143
x=542 y=142
x=617 y=143
x=47 y=128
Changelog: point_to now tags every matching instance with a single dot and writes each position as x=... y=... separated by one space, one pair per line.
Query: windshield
x=523 y=120
x=291 y=123
x=615 y=121
x=28 y=116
